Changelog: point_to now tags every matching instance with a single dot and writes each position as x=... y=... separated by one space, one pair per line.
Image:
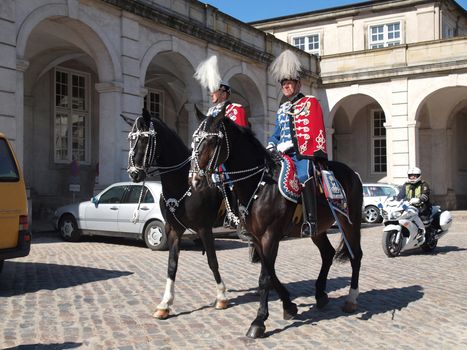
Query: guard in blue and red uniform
x=234 y=111
x=300 y=133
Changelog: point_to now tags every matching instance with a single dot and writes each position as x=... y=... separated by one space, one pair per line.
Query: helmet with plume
x=207 y=73
x=286 y=66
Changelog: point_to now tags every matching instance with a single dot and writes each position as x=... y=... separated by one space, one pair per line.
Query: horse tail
x=342 y=253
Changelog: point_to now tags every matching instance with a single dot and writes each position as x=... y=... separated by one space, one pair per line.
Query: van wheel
x=69 y=229
x=155 y=236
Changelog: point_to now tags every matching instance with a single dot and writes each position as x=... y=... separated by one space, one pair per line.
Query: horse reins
x=201 y=135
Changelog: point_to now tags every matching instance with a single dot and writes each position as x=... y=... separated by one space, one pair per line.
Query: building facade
x=391 y=77
x=393 y=83
x=70 y=68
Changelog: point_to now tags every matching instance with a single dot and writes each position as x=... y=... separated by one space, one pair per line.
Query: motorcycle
x=404 y=230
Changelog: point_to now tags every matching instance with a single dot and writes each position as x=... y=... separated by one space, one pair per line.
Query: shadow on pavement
x=67 y=345
x=437 y=251
x=373 y=302
x=25 y=277
x=305 y=288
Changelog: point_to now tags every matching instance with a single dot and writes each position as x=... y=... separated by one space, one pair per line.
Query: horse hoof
x=290 y=312
x=221 y=304
x=161 y=314
x=349 y=307
x=321 y=302
x=256 y=331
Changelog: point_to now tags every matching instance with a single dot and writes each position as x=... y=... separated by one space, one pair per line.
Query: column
x=109 y=132
x=21 y=66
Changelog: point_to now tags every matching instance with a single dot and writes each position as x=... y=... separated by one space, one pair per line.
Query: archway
x=359 y=137
x=442 y=124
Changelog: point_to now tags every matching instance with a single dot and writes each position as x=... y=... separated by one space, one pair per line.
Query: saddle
x=291 y=188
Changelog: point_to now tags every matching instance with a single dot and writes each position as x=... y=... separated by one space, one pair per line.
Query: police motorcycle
x=404 y=230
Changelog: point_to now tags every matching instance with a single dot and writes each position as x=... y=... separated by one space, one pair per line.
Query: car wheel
x=372 y=214
x=1 y=265
x=69 y=229
x=155 y=237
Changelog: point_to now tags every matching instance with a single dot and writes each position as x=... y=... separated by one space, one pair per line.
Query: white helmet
x=414 y=171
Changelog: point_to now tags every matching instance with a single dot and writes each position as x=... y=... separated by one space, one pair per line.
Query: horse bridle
x=150 y=151
x=199 y=136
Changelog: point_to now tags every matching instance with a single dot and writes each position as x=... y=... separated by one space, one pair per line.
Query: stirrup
x=308 y=229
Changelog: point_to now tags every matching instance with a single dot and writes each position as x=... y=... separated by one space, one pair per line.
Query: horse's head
x=210 y=149
x=142 y=152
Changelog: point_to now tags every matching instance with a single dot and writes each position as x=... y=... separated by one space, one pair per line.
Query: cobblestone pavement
x=100 y=294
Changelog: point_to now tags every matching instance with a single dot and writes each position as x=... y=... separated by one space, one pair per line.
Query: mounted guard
x=207 y=73
x=299 y=133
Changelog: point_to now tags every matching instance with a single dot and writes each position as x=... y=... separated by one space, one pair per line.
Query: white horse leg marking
x=221 y=291
x=352 y=297
x=169 y=295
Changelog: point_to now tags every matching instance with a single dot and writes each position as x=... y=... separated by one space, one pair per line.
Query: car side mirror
x=95 y=201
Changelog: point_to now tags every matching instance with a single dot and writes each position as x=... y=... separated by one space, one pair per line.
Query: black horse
x=268 y=215
x=154 y=144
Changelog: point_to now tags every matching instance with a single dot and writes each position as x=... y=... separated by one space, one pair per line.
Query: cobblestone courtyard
x=100 y=294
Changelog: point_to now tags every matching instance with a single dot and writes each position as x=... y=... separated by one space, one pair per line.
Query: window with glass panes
x=154 y=102
x=71 y=117
x=378 y=140
x=309 y=43
x=384 y=35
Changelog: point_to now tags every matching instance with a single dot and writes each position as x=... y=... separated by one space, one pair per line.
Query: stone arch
x=351 y=139
x=108 y=63
x=441 y=116
x=244 y=82
x=171 y=72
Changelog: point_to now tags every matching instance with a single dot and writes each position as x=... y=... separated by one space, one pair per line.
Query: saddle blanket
x=289 y=186
x=334 y=193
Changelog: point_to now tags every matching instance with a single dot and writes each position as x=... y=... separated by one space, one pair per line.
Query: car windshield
x=8 y=170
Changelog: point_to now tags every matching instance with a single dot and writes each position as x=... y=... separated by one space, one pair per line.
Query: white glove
x=414 y=201
x=284 y=146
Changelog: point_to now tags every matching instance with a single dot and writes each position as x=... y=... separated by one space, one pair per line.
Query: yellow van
x=15 y=238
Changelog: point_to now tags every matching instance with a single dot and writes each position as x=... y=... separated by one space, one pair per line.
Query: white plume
x=207 y=73
x=285 y=66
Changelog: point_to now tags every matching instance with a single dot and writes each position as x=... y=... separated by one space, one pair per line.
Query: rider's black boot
x=309 y=226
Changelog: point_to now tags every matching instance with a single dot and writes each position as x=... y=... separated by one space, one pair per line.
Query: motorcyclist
x=417 y=192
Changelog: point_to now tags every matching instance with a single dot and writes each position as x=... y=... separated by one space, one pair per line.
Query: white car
x=110 y=213
x=373 y=194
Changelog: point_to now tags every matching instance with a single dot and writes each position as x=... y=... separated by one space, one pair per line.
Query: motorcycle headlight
x=395 y=215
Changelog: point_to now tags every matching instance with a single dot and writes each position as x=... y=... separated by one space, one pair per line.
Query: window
x=135 y=192
x=154 y=103
x=384 y=35
x=8 y=169
x=71 y=117
x=308 y=43
x=113 y=195
x=379 y=141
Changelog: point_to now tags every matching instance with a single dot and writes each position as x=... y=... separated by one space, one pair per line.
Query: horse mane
x=251 y=137
x=168 y=132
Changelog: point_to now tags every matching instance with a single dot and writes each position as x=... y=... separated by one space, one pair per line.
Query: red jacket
x=236 y=112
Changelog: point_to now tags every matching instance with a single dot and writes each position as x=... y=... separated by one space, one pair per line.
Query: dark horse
x=268 y=215
x=154 y=144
